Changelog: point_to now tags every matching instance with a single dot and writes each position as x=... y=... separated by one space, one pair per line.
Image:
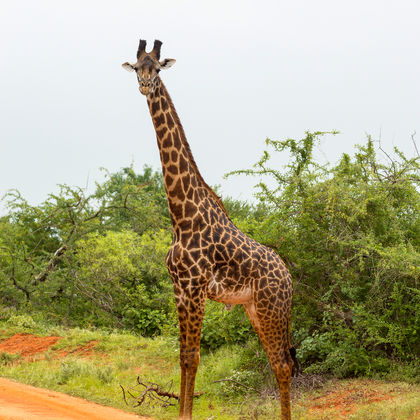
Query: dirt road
x=24 y=402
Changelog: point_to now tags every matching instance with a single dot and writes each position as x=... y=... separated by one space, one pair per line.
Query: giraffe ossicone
x=210 y=258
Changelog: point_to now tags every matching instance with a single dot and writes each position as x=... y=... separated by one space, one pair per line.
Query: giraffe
x=210 y=258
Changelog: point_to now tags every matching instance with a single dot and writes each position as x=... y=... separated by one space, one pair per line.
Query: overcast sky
x=245 y=70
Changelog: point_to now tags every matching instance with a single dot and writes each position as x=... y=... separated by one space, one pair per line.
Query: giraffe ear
x=166 y=63
x=128 y=66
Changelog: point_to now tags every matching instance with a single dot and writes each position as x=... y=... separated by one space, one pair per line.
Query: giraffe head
x=148 y=67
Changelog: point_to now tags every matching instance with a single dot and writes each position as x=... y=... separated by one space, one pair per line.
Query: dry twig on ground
x=152 y=393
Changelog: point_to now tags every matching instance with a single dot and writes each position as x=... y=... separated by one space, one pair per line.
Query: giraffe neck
x=184 y=185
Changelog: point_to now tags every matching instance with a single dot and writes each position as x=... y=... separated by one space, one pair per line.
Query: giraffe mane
x=190 y=155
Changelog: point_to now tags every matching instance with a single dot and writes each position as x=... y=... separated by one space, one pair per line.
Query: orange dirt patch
x=346 y=401
x=23 y=402
x=85 y=351
x=27 y=344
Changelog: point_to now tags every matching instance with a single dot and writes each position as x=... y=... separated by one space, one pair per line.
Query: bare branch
x=18 y=286
x=153 y=394
x=42 y=276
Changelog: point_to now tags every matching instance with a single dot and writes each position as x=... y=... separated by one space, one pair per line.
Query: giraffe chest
x=225 y=289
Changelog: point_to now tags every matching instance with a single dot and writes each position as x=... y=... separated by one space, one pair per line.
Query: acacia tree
x=35 y=240
x=38 y=243
x=134 y=201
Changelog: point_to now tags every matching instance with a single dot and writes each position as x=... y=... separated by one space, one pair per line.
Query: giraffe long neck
x=184 y=185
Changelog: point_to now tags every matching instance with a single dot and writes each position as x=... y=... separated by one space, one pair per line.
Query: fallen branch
x=153 y=394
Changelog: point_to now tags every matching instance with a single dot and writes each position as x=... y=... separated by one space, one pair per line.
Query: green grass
x=118 y=358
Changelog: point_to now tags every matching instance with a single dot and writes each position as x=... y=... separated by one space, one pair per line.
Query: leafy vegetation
x=350 y=234
x=96 y=259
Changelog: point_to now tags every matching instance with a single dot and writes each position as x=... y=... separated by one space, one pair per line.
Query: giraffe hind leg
x=274 y=336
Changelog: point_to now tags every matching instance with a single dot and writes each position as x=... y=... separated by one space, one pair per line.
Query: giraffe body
x=209 y=256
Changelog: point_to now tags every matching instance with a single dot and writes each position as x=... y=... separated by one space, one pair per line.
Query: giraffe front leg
x=190 y=360
x=190 y=308
x=182 y=336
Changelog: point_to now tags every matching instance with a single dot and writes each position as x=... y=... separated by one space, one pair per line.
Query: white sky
x=245 y=70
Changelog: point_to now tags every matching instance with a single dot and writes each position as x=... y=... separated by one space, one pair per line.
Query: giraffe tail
x=295 y=369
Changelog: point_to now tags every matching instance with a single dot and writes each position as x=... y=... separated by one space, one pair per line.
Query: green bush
x=125 y=276
x=350 y=234
x=22 y=321
x=147 y=322
x=224 y=327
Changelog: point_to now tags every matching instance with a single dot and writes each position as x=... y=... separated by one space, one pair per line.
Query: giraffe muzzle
x=145 y=88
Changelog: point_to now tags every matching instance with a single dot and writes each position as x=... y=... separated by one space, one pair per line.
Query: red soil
x=346 y=401
x=24 y=402
x=30 y=345
x=27 y=344
x=84 y=351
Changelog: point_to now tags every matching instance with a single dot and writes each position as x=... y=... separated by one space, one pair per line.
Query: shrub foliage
x=350 y=234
